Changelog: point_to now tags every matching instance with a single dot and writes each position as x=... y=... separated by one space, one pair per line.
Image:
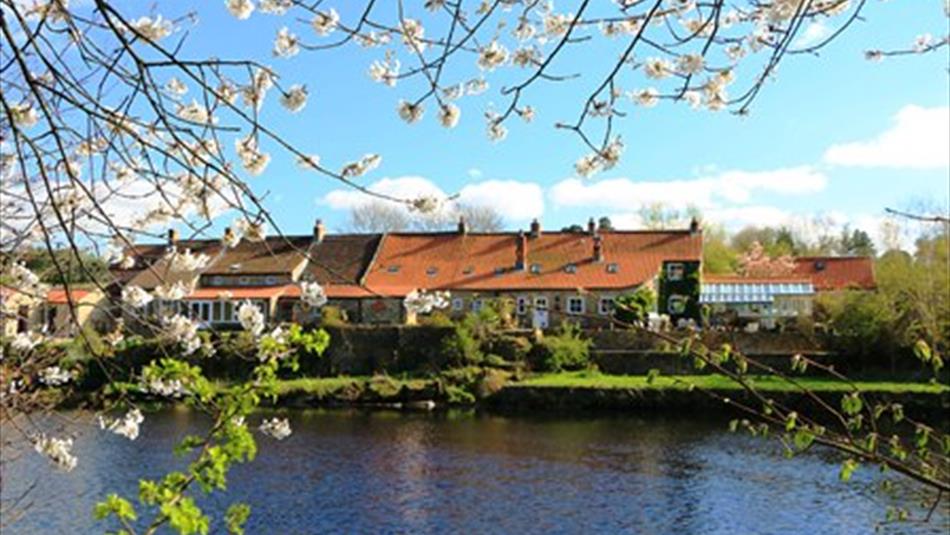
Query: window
x=605 y=306
x=458 y=304
x=217 y=280
x=613 y=267
x=270 y=280
x=676 y=304
x=244 y=280
x=575 y=305
x=216 y=309
x=675 y=271
x=393 y=268
x=227 y=315
x=570 y=268
x=476 y=305
x=541 y=303
x=522 y=305
x=535 y=268
x=432 y=271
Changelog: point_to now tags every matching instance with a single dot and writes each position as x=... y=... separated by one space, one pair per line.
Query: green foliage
x=847 y=469
x=461 y=348
x=331 y=316
x=565 y=350
x=235 y=518
x=718 y=256
x=64 y=267
x=634 y=308
x=114 y=505
x=436 y=319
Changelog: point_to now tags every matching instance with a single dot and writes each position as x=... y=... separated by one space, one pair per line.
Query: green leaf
x=922 y=351
x=652 y=375
x=113 y=504
x=851 y=404
x=791 y=420
x=847 y=469
x=803 y=439
x=236 y=516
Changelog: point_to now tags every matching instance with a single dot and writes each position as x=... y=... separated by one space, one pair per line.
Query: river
x=348 y=471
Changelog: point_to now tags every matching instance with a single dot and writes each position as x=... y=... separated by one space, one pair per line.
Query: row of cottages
x=771 y=301
x=57 y=314
x=548 y=275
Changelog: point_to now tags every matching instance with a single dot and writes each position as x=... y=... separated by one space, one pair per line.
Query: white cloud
x=815 y=33
x=513 y=200
x=705 y=192
x=919 y=139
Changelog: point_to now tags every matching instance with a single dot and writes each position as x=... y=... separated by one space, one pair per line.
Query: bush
x=461 y=348
x=331 y=316
x=436 y=319
x=510 y=348
x=566 y=350
x=635 y=307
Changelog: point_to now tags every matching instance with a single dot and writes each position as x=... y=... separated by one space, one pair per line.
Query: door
x=539 y=318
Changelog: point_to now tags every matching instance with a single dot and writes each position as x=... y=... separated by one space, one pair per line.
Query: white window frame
x=675 y=271
x=605 y=306
x=458 y=304
x=575 y=300
x=477 y=305
x=522 y=305
x=541 y=303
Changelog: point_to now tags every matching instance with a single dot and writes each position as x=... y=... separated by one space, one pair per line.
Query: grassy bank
x=590 y=380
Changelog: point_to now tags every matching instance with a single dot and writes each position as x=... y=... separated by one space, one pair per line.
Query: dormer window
x=570 y=268
x=613 y=267
x=270 y=280
x=499 y=271
x=675 y=271
x=393 y=268
x=234 y=267
x=217 y=280
x=431 y=271
x=536 y=268
x=468 y=270
x=244 y=281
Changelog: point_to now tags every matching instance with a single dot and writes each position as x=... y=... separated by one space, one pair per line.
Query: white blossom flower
x=410 y=112
x=127 y=426
x=57 y=450
x=241 y=9
x=275 y=7
x=24 y=115
x=276 y=428
x=325 y=22
x=21 y=278
x=449 y=115
x=646 y=97
x=253 y=160
x=524 y=30
x=413 y=34
x=423 y=302
x=385 y=72
x=153 y=29
x=491 y=56
x=923 y=42
x=171 y=292
x=54 y=376
x=694 y=99
x=557 y=24
x=195 y=113
x=253 y=94
x=251 y=318
x=359 y=168
x=312 y=294
x=657 y=68
x=25 y=341
x=295 y=98
x=434 y=5
x=176 y=87
x=476 y=86
x=690 y=63
x=184 y=331
x=496 y=131
x=526 y=57
x=526 y=114
x=286 y=45
x=185 y=261
x=426 y=204
x=135 y=296
x=168 y=388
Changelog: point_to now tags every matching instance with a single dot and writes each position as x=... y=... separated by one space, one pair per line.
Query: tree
x=718 y=256
x=855 y=243
x=757 y=263
x=378 y=216
x=604 y=223
x=382 y=216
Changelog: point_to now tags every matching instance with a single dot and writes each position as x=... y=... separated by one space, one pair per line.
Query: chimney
x=521 y=262
x=228 y=234
x=172 y=236
x=463 y=226
x=694 y=227
x=319 y=231
x=591 y=226
x=535 y=228
x=598 y=249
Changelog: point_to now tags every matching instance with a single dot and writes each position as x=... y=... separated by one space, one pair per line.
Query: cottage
x=768 y=302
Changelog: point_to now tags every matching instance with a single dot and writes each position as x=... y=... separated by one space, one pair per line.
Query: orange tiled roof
x=240 y=292
x=837 y=273
x=58 y=296
x=487 y=261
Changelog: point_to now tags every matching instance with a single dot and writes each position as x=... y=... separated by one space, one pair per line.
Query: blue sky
x=771 y=167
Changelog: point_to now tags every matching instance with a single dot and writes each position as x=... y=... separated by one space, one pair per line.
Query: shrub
x=436 y=319
x=331 y=316
x=511 y=348
x=461 y=348
x=566 y=350
x=635 y=307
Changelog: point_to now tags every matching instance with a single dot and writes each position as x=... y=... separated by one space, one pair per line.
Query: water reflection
x=372 y=472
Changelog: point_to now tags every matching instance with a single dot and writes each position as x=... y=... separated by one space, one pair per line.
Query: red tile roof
x=487 y=261
x=58 y=296
x=837 y=273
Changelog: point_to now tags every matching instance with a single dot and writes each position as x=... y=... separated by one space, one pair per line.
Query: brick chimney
x=591 y=226
x=694 y=226
x=463 y=225
x=598 y=249
x=535 y=228
x=521 y=262
x=319 y=231
x=172 y=236
x=228 y=234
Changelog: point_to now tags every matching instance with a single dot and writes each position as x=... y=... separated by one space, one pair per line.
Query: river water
x=346 y=471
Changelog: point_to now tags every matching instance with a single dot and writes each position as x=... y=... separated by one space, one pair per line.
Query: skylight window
x=535 y=268
x=570 y=268
x=431 y=271
x=393 y=268
x=613 y=267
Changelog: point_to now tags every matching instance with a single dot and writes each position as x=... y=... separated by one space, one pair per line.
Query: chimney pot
x=694 y=226
x=521 y=262
x=591 y=226
x=463 y=225
x=598 y=249
x=319 y=231
x=172 y=236
x=535 y=228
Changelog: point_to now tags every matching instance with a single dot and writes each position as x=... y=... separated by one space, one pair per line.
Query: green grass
x=585 y=379
x=318 y=385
